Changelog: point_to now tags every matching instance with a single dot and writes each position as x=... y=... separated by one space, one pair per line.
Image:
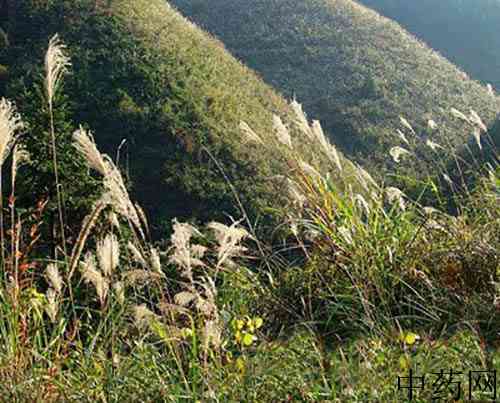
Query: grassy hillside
x=464 y=31
x=355 y=71
x=142 y=73
x=360 y=288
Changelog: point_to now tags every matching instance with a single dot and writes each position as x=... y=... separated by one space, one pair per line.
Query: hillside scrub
x=465 y=32
x=354 y=70
x=366 y=285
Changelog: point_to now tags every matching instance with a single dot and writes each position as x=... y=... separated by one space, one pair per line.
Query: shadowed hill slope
x=142 y=72
x=354 y=70
x=464 y=31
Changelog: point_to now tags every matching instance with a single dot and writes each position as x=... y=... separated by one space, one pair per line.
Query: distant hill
x=354 y=70
x=465 y=31
x=142 y=72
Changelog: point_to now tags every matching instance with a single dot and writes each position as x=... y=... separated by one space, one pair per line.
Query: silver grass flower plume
x=309 y=170
x=112 y=177
x=329 y=148
x=92 y=275
x=459 y=115
x=10 y=127
x=85 y=144
x=56 y=64
x=296 y=195
x=477 y=121
x=143 y=315
x=434 y=146
x=365 y=177
x=249 y=134
x=490 y=90
x=395 y=195
x=431 y=124
x=402 y=136
x=119 y=292
x=20 y=156
x=51 y=307
x=397 y=152
x=282 y=133
x=137 y=254
x=54 y=277
x=476 y=133
x=108 y=254
x=184 y=255
x=229 y=240
x=345 y=233
x=406 y=124
x=360 y=200
x=301 y=119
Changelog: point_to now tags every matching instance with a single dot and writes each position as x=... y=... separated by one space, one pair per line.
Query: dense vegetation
x=464 y=31
x=359 y=284
x=354 y=70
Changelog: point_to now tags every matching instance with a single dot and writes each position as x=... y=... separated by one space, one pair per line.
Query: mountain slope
x=464 y=31
x=143 y=73
x=354 y=70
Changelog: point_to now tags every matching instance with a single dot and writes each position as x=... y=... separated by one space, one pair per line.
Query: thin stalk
x=56 y=174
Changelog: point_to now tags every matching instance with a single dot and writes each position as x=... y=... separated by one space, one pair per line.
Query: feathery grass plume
x=119 y=292
x=137 y=254
x=402 y=136
x=406 y=124
x=184 y=298
x=249 y=134
x=154 y=258
x=459 y=115
x=54 y=277
x=113 y=181
x=447 y=179
x=10 y=127
x=132 y=277
x=346 y=234
x=397 y=152
x=434 y=146
x=113 y=220
x=476 y=120
x=229 y=239
x=301 y=119
x=429 y=211
x=329 y=148
x=185 y=255
x=363 y=173
x=360 y=200
x=56 y=64
x=142 y=315
x=490 y=89
x=84 y=142
x=108 y=254
x=212 y=334
x=92 y=275
x=431 y=124
x=395 y=195
x=20 y=156
x=476 y=133
x=309 y=170
x=296 y=195
x=51 y=307
x=282 y=133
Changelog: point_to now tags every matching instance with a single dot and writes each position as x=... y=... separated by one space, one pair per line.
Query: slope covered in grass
x=466 y=32
x=142 y=73
x=355 y=71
